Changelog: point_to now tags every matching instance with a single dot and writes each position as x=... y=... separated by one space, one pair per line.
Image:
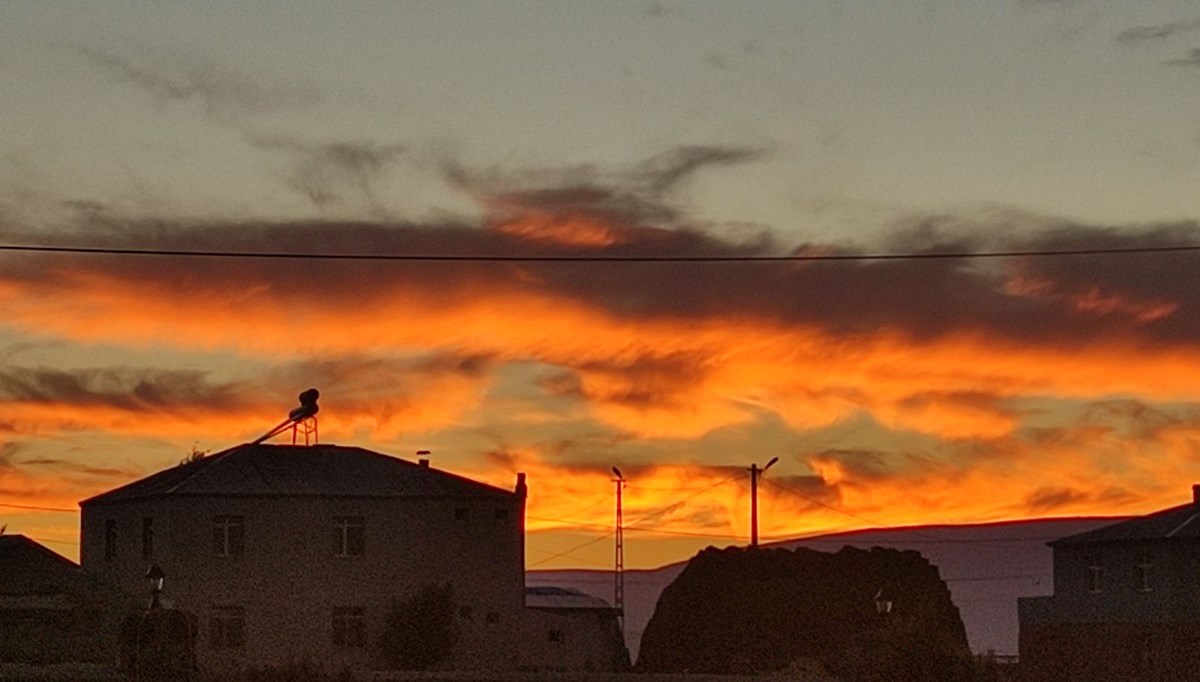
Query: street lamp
x=155 y=577
x=755 y=473
x=619 y=552
x=882 y=605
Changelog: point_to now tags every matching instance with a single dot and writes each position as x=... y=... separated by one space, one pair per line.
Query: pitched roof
x=1182 y=522
x=21 y=548
x=554 y=597
x=300 y=470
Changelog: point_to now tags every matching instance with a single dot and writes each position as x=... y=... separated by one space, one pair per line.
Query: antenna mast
x=619 y=558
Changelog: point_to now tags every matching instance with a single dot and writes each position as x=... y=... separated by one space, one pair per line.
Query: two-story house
x=297 y=553
x=1126 y=603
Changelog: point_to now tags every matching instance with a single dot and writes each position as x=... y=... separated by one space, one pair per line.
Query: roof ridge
x=212 y=459
x=1183 y=525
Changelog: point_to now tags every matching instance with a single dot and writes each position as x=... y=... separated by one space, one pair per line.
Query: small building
x=289 y=554
x=51 y=611
x=1126 y=603
x=572 y=631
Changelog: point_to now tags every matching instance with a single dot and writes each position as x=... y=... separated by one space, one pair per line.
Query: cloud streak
x=223 y=94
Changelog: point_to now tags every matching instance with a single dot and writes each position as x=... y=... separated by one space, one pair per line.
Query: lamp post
x=619 y=555
x=155 y=578
x=883 y=605
x=755 y=473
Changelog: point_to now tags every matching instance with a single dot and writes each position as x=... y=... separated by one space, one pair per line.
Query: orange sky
x=893 y=393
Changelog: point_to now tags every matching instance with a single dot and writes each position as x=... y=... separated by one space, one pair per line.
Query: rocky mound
x=740 y=610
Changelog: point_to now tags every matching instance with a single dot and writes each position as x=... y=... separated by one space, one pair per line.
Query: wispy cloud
x=1157 y=32
x=1191 y=60
x=325 y=172
x=223 y=93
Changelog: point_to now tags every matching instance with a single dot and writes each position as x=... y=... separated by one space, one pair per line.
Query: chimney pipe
x=423 y=463
x=1196 y=493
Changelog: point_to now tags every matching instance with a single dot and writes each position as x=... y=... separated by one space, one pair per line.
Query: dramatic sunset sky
x=894 y=392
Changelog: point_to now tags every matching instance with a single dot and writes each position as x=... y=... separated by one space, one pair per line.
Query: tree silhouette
x=420 y=630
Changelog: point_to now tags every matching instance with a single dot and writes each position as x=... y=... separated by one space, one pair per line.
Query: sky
x=893 y=392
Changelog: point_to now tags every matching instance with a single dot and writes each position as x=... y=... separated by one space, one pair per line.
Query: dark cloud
x=665 y=171
x=637 y=196
x=223 y=93
x=1048 y=499
x=121 y=388
x=325 y=172
x=717 y=61
x=1152 y=32
x=1192 y=59
x=1052 y=300
x=8 y=451
x=76 y=467
x=862 y=464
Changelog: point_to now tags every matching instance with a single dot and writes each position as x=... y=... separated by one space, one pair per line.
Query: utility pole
x=619 y=558
x=755 y=473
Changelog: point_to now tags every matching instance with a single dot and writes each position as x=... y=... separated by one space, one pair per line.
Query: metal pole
x=754 y=505
x=619 y=558
x=619 y=576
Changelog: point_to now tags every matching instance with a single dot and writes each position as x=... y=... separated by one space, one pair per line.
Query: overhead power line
x=36 y=508
x=569 y=258
x=644 y=517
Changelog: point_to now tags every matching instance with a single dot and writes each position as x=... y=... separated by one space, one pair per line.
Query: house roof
x=1182 y=522
x=554 y=597
x=256 y=470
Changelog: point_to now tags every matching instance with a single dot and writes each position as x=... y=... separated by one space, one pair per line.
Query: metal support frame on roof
x=301 y=420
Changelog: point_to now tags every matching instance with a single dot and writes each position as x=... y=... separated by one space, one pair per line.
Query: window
x=227 y=627
x=348 y=627
x=110 y=540
x=462 y=514
x=349 y=535
x=147 y=538
x=1095 y=576
x=501 y=514
x=1142 y=572
x=228 y=535
x=554 y=635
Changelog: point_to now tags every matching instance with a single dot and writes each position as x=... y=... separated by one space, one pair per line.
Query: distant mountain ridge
x=987 y=567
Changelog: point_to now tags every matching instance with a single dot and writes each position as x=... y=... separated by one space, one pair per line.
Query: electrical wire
x=645 y=517
x=566 y=258
x=36 y=508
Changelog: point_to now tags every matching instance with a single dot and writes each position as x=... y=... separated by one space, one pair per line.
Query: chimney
x=423 y=463
x=521 y=488
x=1196 y=493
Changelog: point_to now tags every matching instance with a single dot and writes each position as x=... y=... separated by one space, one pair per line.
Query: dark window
x=227 y=627
x=228 y=535
x=147 y=538
x=349 y=535
x=554 y=635
x=348 y=627
x=501 y=514
x=1142 y=572
x=1095 y=576
x=110 y=540
x=493 y=617
x=462 y=514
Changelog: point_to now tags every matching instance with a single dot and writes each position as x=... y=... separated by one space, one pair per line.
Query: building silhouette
x=51 y=611
x=1126 y=603
x=290 y=554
